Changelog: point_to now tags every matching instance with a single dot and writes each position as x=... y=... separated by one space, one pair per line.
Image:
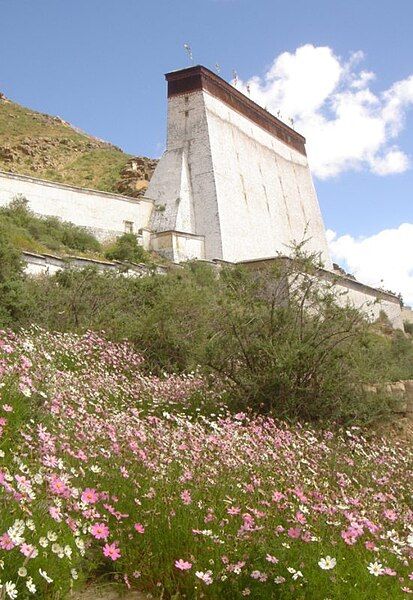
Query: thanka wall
x=233 y=174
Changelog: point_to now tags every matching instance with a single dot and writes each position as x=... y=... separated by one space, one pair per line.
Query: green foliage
x=44 y=234
x=127 y=249
x=408 y=327
x=274 y=339
x=13 y=298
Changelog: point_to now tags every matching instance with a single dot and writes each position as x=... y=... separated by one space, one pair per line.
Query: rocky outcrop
x=48 y=147
x=401 y=393
x=135 y=176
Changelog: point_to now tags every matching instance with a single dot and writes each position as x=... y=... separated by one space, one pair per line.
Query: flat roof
x=192 y=79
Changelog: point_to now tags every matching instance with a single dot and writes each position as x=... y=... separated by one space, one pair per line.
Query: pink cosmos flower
x=90 y=496
x=300 y=517
x=7 y=408
x=186 y=497
x=55 y=513
x=233 y=510
x=59 y=487
x=370 y=545
x=390 y=514
x=271 y=559
x=183 y=565
x=5 y=542
x=111 y=551
x=100 y=531
x=349 y=536
x=256 y=574
x=277 y=496
x=294 y=532
x=28 y=550
x=139 y=528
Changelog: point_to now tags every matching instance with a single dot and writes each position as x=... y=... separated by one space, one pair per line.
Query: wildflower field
x=108 y=474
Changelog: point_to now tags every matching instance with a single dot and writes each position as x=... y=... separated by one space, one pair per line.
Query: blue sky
x=100 y=63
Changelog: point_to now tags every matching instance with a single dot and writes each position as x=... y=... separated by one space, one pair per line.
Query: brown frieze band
x=198 y=78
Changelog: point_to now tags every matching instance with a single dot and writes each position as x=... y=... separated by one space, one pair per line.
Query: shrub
x=127 y=249
x=276 y=341
x=13 y=297
x=30 y=232
x=408 y=327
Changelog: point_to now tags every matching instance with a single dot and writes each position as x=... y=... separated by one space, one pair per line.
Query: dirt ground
x=108 y=592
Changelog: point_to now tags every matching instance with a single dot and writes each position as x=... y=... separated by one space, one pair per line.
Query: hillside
x=37 y=144
x=110 y=474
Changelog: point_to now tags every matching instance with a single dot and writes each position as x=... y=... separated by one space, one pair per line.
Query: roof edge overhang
x=197 y=78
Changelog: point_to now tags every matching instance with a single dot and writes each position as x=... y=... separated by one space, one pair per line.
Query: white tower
x=234 y=182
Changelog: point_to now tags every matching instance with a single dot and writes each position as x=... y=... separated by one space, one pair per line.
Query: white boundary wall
x=104 y=214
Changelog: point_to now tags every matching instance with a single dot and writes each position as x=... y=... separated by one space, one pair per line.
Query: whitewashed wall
x=47 y=264
x=266 y=198
x=227 y=179
x=104 y=214
x=369 y=301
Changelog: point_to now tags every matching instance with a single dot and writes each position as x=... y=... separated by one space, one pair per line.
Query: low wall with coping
x=348 y=292
x=48 y=264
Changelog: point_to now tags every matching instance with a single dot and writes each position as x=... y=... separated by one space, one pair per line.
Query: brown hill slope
x=37 y=144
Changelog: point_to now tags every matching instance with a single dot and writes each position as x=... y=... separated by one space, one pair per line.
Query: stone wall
x=103 y=214
x=400 y=391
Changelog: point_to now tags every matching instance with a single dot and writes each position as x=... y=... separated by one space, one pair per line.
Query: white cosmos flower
x=410 y=540
x=52 y=536
x=205 y=577
x=30 y=525
x=22 y=572
x=31 y=586
x=45 y=576
x=74 y=574
x=375 y=568
x=11 y=590
x=44 y=542
x=327 y=563
x=16 y=532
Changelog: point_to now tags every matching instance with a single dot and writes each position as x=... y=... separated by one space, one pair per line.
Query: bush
x=127 y=249
x=13 y=297
x=408 y=327
x=30 y=232
x=276 y=341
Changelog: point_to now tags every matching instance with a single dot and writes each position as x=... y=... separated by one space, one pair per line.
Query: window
x=128 y=226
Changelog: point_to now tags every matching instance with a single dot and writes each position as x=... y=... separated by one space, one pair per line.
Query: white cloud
x=347 y=125
x=382 y=260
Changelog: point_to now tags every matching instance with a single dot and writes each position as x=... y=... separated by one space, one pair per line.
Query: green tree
x=13 y=297
x=127 y=249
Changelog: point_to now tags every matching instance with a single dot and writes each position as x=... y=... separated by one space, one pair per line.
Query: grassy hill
x=37 y=144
